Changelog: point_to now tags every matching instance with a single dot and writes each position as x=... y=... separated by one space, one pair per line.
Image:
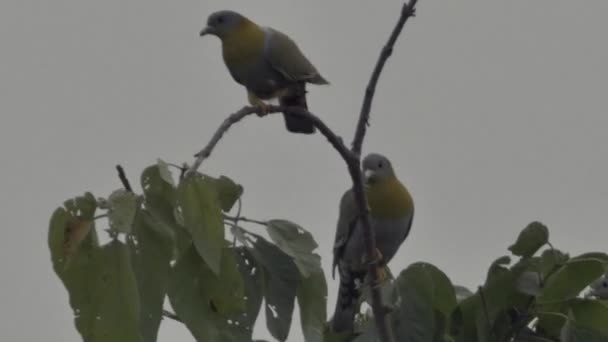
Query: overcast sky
x=492 y=112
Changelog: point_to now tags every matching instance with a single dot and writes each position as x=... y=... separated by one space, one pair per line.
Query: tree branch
x=408 y=10
x=234 y=118
x=123 y=178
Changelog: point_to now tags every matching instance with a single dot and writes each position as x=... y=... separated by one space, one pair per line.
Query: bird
x=267 y=63
x=391 y=213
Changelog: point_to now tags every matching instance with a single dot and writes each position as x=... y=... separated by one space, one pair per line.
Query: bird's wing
x=347 y=220
x=284 y=56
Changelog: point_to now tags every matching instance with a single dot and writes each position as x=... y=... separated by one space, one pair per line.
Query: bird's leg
x=257 y=102
x=381 y=271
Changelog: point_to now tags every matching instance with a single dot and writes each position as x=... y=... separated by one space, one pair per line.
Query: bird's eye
x=220 y=20
x=380 y=165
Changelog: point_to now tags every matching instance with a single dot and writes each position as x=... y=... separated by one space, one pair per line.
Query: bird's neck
x=389 y=199
x=243 y=45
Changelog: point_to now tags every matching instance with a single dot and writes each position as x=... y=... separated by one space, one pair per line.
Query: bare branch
x=407 y=11
x=335 y=140
x=123 y=178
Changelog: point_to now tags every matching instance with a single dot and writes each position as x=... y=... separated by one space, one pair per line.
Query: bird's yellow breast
x=243 y=45
x=389 y=199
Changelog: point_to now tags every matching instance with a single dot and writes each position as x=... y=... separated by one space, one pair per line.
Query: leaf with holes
x=281 y=283
x=297 y=243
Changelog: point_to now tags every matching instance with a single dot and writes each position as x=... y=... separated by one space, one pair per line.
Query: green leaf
x=427 y=301
x=202 y=218
x=497 y=268
x=192 y=287
x=571 y=279
x=551 y=260
x=297 y=243
x=330 y=336
x=159 y=196
x=253 y=282
x=463 y=322
x=117 y=317
x=121 y=213
x=228 y=292
x=312 y=300
x=79 y=276
x=160 y=199
x=603 y=257
x=151 y=252
x=82 y=206
x=530 y=240
x=551 y=323
x=574 y=332
x=590 y=314
x=228 y=192
x=281 y=282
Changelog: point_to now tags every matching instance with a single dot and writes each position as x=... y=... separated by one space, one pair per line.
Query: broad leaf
x=160 y=197
x=228 y=192
x=202 y=218
x=253 y=283
x=281 y=282
x=79 y=275
x=590 y=314
x=151 y=252
x=530 y=240
x=117 y=317
x=297 y=243
x=427 y=301
x=312 y=300
x=191 y=289
x=571 y=279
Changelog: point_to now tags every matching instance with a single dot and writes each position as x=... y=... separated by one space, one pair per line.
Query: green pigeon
x=391 y=212
x=267 y=62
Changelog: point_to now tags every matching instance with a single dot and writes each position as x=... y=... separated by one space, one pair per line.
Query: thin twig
x=171 y=315
x=407 y=11
x=244 y=219
x=123 y=178
x=486 y=314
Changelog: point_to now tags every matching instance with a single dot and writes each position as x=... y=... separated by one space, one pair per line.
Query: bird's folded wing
x=284 y=56
x=347 y=221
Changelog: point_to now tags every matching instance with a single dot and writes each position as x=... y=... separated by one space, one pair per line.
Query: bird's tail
x=347 y=302
x=296 y=97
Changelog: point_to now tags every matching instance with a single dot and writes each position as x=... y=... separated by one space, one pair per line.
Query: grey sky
x=493 y=113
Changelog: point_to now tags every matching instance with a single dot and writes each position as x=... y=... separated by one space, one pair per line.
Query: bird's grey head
x=222 y=22
x=376 y=167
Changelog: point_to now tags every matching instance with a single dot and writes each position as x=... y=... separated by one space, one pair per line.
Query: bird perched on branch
x=391 y=212
x=267 y=62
